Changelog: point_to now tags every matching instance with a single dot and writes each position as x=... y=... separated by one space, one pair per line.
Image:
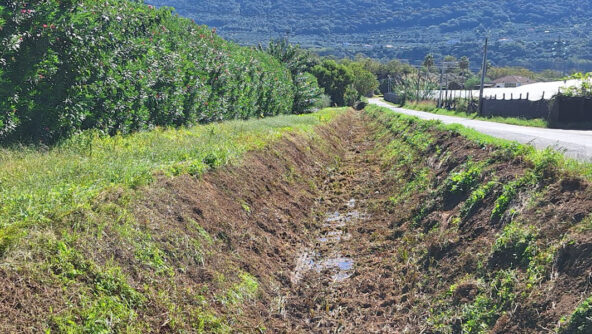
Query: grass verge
x=39 y=186
x=508 y=147
x=87 y=247
x=431 y=107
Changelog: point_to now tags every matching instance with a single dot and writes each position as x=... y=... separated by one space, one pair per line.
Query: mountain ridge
x=523 y=33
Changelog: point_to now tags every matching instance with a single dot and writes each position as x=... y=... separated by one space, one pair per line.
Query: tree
x=472 y=82
x=450 y=63
x=584 y=88
x=499 y=72
x=428 y=61
x=296 y=59
x=306 y=93
x=464 y=64
x=365 y=82
x=334 y=79
x=299 y=62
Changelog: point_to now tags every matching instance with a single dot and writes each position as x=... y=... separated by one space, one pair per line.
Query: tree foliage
x=335 y=79
x=584 y=89
x=299 y=62
x=365 y=82
x=121 y=66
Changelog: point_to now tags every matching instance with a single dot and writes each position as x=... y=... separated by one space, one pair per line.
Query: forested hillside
x=523 y=32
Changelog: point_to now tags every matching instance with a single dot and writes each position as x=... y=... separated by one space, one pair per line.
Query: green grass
x=580 y=321
x=518 y=263
x=39 y=186
x=515 y=244
x=464 y=180
x=431 y=107
x=506 y=148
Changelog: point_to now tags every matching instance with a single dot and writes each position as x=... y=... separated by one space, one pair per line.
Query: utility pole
x=418 y=78
x=441 y=78
x=483 y=72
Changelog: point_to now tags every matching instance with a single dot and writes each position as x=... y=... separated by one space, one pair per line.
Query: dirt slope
x=375 y=224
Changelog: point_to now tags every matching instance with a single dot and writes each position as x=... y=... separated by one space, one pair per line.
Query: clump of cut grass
x=580 y=321
x=515 y=245
x=463 y=181
x=477 y=197
x=481 y=315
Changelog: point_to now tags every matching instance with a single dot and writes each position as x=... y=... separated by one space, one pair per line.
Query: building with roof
x=512 y=81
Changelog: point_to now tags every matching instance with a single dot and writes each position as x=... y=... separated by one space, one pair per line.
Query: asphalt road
x=574 y=143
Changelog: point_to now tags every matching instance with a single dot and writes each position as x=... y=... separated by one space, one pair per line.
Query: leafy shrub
x=299 y=62
x=121 y=66
x=351 y=96
x=335 y=79
x=585 y=87
x=306 y=93
x=546 y=162
x=365 y=82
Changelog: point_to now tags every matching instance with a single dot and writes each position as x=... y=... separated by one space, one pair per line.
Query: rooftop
x=514 y=79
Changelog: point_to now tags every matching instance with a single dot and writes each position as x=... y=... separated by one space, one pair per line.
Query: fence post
x=511 y=96
x=504 y=96
x=543 y=96
x=527 y=95
x=520 y=96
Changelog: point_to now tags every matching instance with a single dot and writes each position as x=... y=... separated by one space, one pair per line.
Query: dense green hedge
x=121 y=66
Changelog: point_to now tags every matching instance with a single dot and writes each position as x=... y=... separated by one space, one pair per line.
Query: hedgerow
x=121 y=66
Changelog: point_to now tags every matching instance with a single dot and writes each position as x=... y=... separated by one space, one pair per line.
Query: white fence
x=535 y=92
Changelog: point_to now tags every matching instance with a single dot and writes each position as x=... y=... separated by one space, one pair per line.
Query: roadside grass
x=38 y=185
x=506 y=147
x=429 y=106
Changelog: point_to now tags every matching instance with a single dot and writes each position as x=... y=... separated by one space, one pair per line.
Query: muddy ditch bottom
x=326 y=256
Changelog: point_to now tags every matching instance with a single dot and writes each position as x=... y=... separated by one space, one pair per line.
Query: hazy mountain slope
x=304 y=16
x=526 y=30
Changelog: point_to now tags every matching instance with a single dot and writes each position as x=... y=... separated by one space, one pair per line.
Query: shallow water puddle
x=326 y=254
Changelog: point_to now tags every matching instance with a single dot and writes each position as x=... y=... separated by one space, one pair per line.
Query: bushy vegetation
x=463 y=181
x=336 y=79
x=580 y=321
x=37 y=186
x=514 y=244
x=306 y=88
x=121 y=66
x=365 y=82
x=584 y=89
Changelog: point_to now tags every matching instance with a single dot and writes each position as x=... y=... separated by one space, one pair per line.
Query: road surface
x=574 y=143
